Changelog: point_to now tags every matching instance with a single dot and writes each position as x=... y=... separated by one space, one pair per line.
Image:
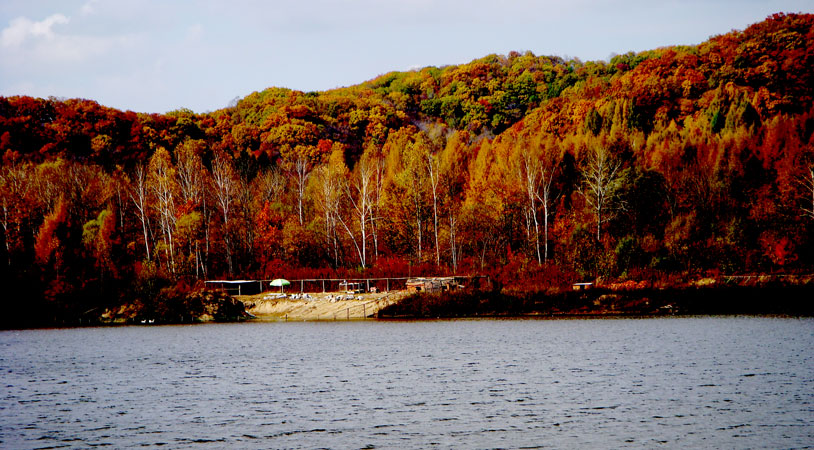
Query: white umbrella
x=280 y=282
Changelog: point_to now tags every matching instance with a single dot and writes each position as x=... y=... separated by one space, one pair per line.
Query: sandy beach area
x=272 y=306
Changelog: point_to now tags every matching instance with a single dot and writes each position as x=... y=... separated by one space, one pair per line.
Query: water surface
x=625 y=383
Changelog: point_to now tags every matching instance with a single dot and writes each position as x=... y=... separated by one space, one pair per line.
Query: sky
x=156 y=56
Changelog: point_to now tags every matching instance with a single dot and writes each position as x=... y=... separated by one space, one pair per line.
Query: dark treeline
x=672 y=163
x=787 y=300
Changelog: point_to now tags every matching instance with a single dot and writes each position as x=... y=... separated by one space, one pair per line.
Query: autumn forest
x=678 y=162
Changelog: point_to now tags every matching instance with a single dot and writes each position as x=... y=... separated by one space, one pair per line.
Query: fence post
x=323 y=285
x=302 y=286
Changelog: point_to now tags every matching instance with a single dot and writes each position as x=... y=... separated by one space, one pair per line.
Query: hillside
x=668 y=164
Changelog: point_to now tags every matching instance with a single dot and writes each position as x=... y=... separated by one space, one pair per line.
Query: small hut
x=582 y=286
x=351 y=287
x=432 y=285
x=429 y=285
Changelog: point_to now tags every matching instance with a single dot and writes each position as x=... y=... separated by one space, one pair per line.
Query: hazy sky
x=160 y=55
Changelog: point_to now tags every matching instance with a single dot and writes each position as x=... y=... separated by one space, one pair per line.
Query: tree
x=225 y=182
x=267 y=238
x=536 y=162
x=405 y=186
x=139 y=196
x=549 y=162
x=190 y=171
x=377 y=161
x=246 y=209
x=54 y=250
x=481 y=207
x=161 y=180
x=529 y=171
x=192 y=182
x=413 y=179
x=453 y=163
x=433 y=172
x=302 y=168
x=97 y=235
x=329 y=189
x=807 y=182
x=300 y=162
x=600 y=183
x=15 y=190
x=188 y=233
x=271 y=185
x=359 y=193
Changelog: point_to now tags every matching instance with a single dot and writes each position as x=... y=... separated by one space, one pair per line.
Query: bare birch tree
x=413 y=178
x=138 y=195
x=535 y=166
x=190 y=171
x=376 y=204
x=272 y=185
x=550 y=158
x=6 y=198
x=15 y=183
x=528 y=169
x=807 y=182
x=303 y=167
x=433 y=172
x=453 y=248
x=191 y=183
x=600 y=184
x=225 y=184
x=162 y=184
x=343 y=185
x=359 y=193
x=453 y=166
x=207 y=211
x=327 y=198
x=119 y=179
x=299 y=167
x=546 y=177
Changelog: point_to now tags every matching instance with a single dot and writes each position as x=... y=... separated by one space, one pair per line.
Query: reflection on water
x=684 y=382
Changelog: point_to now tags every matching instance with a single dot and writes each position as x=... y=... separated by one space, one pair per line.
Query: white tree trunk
x=600 y=179
x=139 y=198
x=432 y=170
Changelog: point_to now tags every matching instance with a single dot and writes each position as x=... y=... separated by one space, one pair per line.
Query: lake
x=693 y=382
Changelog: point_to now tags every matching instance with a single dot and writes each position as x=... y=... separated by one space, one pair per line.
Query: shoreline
x=777 y=300
x=785 y=300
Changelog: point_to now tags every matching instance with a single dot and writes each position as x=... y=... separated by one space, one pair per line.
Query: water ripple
x=687 y=382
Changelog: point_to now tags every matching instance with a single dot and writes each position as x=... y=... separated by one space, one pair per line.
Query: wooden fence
x=312 y=285
x=339 y=284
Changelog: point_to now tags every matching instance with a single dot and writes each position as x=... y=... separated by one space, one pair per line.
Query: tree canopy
x=536 y=169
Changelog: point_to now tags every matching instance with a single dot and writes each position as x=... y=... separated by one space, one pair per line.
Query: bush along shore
x=173 y=307
x=770 y=298
x=169 y=305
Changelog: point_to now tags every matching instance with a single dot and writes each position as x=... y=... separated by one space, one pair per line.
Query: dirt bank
x=320 y=306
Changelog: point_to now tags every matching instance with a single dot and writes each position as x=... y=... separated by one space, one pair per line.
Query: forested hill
x=684 y=160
